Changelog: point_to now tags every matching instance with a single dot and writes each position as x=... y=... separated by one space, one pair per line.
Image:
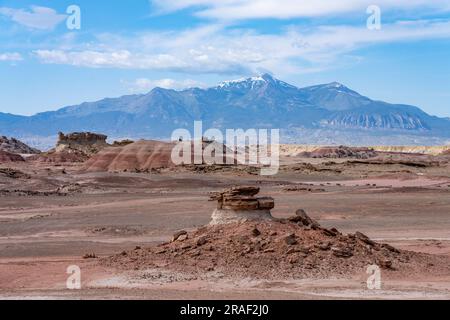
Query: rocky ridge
x=13 y=145
x=341 y=152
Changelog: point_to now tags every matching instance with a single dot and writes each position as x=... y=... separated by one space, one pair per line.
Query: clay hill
x=11 y=150
x=244 y=240
x=141 y=156
x=13 y=145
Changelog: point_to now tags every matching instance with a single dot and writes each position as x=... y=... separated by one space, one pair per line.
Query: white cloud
x=143 y=85
x=11 y=56
x=283 y=9
x=215 y=49
x=42 y=18
x=123 y=59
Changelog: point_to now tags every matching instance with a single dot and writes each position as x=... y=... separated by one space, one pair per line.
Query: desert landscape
x=140 y=227
x=209 y=158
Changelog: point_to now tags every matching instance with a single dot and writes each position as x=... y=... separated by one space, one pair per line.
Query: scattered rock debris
x=260 y=248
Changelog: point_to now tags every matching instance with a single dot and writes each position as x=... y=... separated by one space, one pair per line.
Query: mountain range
x=322 y=114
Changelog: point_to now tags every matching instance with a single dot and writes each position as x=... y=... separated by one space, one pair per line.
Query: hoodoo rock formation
x=239 y=204
x=243 y=240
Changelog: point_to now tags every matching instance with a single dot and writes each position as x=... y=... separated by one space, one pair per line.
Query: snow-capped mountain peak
x=260 y=101
x=242 y=82
x=336 y=85
x=252 y=82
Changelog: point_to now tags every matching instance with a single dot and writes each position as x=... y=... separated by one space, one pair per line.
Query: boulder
x=364 y=238
x=342 y=252
x=385 y=263
x=324 y=246
x=390 y=248
x=330 y=233
x=201 y=241
x=176 y=236
x=256 y=232
x=291 y=240
x=303 y=219
x=266 y=203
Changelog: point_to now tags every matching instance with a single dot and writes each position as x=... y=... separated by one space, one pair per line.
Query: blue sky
x=126 y=47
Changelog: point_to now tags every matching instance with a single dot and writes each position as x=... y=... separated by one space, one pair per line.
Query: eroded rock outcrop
x=73 y=147
x=87 y=142
x=240 y=204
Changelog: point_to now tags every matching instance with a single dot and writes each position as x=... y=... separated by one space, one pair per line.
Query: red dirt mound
x=144 y=155
x=140 y=155
x=6 y=156
x=283 y=249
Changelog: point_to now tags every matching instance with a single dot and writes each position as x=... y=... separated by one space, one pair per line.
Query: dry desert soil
x=55 y=215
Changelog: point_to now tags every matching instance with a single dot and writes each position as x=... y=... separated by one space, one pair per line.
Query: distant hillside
x=13 y=145
x=323 y=114
x=294 y=150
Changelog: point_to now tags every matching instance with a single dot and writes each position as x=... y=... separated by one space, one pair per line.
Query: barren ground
x=106 y=213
